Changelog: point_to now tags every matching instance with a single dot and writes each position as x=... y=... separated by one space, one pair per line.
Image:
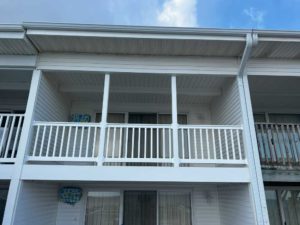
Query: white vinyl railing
x=211 y=144
x=138 y=143
x=59 y=141
x=10 y=132
x=278 y=143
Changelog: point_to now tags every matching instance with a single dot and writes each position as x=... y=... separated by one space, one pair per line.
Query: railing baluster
x=214 y=143
x=207 y=144
x=145 y=143
x=107 y=143
x=55 y=140
x=232 y=145
x=81 y=141
x=94 y=142
x=4 y=136
x=157 y=143
x=114 y=142
x=11 y=130
x=75 y=141
x=182 y=143
x=68 y=142
x=17 y=136
x=189 y=143
x=226 y=144
x=62 y=141
x=195 y=144
x=36 y=140
x=170 y=142
x=139 y=142
x=126 y=142
x=239 y=143
x=49 y=141
x=220 y=144
x=132 y=143
x=164 y=137
x=151 y=142
x=120 y=142
x=201 y=144
x=88 y=141
x=42 y=143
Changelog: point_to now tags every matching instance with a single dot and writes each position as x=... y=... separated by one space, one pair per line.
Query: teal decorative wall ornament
x=77 y=117
x=70 y=195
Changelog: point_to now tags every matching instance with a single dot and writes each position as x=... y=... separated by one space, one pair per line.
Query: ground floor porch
x=132 y=203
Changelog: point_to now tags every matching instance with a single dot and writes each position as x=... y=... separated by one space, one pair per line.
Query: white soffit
x=14 y=42
x=136 y=40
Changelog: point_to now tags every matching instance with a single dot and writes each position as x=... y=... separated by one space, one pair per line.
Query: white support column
x=257 y=187
x=104 y=119
x=15 y=183
x=174 y=120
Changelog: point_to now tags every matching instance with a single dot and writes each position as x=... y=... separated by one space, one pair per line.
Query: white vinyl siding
x=205 y=206
x=235 y=205
x=51 y=105
x=37 y=204
x=226 y=109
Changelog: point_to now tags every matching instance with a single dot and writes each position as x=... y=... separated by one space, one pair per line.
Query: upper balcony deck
x=130 y=120
x=276 y=109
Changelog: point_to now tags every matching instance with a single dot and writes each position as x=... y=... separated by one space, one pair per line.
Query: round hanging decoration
x=70 y=195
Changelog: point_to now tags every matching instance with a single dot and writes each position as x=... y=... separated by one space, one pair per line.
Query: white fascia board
x=12 y=35
x=6 y=171
x=93 y=34
x=136 y=174
x=18 y=61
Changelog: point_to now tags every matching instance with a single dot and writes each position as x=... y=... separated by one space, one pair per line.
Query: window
x=139 y=208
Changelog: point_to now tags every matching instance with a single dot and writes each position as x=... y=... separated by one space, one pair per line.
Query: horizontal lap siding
x=158 y=64
x=226 y=109
x=51 y=105
x=37 y=204
x=205 y=206
x=71 y=214
x=235 y=205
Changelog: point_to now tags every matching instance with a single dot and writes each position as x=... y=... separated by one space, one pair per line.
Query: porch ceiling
x=14 y=88
x=139 y=88
x=275 y=93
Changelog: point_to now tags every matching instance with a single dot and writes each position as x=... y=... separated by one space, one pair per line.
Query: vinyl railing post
x=174 y=121
x=103 y=123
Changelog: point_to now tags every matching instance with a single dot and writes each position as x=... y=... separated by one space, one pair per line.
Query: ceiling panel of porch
x=275 y=93
x=134 y=88
x=14 y=89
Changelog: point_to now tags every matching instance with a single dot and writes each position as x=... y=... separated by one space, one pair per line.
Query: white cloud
x=256 y=16
x=178 y=13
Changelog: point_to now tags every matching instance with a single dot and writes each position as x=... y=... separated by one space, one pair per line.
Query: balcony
x=278 y=144
x=136 y=120
x=127 y=144
x=14 y=89
x=276 y=109
x=10 y=132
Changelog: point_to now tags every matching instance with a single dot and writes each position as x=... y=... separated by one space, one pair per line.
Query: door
x=137 y=137
x=140 y=208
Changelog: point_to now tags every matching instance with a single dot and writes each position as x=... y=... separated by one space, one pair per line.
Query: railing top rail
x=237 y=127
x=80 y=124
x=136 y=125
x=264 y=123
x=12 y=114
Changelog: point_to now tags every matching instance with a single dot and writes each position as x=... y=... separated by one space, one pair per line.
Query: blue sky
x=263 y=14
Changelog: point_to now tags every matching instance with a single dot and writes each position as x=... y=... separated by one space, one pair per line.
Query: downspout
x=257 y=187
x=251 y=41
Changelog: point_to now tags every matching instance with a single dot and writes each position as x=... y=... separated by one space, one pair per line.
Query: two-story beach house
x=117 y=125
